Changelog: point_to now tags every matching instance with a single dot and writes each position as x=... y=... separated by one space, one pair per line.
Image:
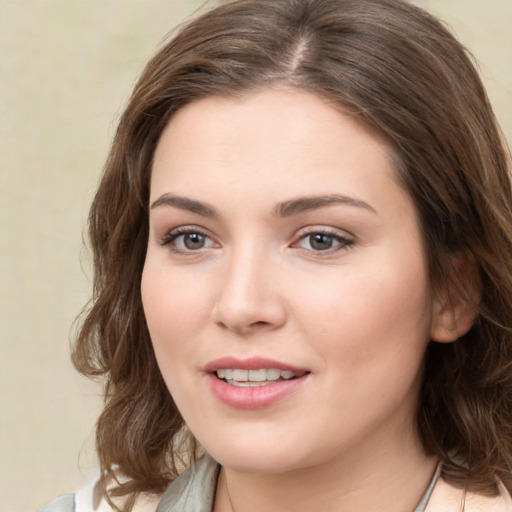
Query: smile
x=254 y=383
x=253 y=378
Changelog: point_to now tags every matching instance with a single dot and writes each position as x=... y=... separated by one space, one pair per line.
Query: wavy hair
x=395 y=68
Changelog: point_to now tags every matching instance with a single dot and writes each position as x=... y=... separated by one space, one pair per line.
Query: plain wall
x=66 y=69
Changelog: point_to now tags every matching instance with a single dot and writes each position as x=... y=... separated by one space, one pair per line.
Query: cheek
x=173 y=298
x=368 y=313
x=173 y=309
x=369 y=327
x=171 y=319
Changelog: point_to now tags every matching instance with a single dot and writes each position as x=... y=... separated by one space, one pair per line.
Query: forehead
x=267 y=144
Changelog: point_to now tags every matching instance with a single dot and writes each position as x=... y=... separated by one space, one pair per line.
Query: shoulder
x=65 y=503
x=90 y=499
x=447 y=498
x=192 y=491
x=86 y=499
x=479 y=503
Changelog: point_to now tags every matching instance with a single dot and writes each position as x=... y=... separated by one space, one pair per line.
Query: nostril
x=248 y=313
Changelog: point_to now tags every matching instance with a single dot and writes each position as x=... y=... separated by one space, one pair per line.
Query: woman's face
x=283 y=250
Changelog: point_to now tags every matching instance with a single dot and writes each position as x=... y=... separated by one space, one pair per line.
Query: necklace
x=420 y=507
x=229 y=495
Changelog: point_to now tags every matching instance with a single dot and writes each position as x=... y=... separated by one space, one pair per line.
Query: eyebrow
x=184 y=203
x=304 y=204
x=284 y=209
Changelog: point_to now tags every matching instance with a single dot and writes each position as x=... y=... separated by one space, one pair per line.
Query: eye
x=323 y=241
x=187 y=240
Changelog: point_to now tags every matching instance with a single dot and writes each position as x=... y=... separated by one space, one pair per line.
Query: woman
x=302 y=247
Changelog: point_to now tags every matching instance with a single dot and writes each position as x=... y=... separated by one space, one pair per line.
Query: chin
x=262 y=463
x=263 y=456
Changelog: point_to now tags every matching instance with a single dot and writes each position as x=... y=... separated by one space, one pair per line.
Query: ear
x=455 y=302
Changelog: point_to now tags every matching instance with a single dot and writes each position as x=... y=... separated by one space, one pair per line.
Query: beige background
x=66 y=68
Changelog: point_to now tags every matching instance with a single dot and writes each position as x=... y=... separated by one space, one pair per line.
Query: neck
x=381 y=477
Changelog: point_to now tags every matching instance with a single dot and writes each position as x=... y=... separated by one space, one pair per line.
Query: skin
x=358 y=317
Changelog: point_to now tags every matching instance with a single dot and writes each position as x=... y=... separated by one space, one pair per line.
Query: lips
x=252 y=363
x=253 y=383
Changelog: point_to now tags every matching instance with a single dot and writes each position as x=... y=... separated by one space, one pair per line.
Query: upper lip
x=251 y=363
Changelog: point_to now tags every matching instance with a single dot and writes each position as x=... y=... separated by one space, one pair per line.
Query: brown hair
x=397 y=69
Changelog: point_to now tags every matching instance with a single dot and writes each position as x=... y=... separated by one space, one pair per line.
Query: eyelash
x=344 y=243
x=173 y=235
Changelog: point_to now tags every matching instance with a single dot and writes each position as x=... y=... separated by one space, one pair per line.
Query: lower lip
x=254 y=397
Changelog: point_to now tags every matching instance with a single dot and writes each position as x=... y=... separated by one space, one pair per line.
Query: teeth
x=273 y=374
x=240 y=375
x=262 y=375
x=257 y=375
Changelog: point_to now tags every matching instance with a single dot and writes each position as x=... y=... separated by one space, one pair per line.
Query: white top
x=194 y=491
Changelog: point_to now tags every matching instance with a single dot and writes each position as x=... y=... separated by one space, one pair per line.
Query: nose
x=250 y=298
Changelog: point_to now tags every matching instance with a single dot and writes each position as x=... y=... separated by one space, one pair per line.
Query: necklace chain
x=229 y=495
